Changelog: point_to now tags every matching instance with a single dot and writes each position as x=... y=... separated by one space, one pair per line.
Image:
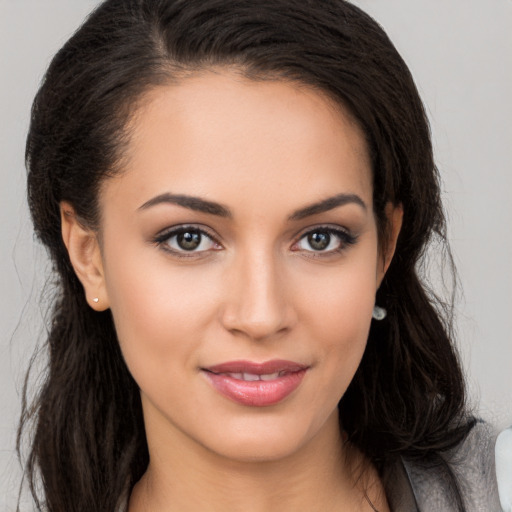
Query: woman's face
x=240 y=260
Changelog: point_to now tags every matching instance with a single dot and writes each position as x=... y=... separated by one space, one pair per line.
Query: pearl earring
x=379 y=313
x=96 y=300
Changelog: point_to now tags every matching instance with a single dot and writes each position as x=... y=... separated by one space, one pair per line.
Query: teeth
x=252 y=377
x=270 y=376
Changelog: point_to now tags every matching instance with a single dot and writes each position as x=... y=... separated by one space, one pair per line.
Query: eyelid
x=162 y=236
x=346 y=236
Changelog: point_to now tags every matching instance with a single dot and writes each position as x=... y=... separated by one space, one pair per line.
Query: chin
x=259 y=450
x=267 y=439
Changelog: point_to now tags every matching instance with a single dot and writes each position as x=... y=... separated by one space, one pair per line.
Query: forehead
x=221 y=136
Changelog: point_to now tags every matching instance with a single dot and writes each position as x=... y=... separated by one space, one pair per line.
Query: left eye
x=324 y=240
x=187 y=240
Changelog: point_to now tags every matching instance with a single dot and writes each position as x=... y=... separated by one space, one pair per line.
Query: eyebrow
x=204 y=206
x=328 y=204
x=192 y=203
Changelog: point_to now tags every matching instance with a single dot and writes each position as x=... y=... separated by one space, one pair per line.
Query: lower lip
x=259 y=393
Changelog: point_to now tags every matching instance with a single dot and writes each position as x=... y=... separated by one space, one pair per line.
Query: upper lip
x=267 y=367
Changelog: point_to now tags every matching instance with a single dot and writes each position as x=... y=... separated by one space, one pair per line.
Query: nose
x=257 y=307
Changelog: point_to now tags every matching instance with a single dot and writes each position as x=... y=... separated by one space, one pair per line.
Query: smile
x=252 y=377
x=256 y=384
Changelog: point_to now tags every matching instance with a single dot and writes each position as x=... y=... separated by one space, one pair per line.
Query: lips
x=256 y=384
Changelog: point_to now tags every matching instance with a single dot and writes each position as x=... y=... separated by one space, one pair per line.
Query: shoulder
x=464 y=475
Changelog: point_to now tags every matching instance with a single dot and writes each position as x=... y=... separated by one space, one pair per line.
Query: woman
x=236 y=196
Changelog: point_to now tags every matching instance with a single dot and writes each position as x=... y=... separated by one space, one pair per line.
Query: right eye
x=185 y=240
x=325 y=241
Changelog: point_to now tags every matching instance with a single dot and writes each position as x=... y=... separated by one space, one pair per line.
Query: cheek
x=159 y=311
x=339 y=309
x=340 y=299
x=344 y=320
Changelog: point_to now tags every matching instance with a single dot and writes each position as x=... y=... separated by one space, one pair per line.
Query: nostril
x=257 y=306
x=257 y=325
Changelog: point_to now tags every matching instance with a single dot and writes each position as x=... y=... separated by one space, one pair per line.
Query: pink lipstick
x=256 y=384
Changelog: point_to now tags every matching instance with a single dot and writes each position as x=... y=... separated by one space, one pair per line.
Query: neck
x=184 y=476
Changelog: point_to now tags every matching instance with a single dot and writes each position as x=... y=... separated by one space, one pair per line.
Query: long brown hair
x=407 y=397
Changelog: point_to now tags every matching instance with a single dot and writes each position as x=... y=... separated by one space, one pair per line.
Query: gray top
x=420 y=487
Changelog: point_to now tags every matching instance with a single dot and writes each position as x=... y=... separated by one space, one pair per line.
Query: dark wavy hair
x=407 y=398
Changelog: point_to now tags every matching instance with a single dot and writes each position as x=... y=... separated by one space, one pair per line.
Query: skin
x=256 y=290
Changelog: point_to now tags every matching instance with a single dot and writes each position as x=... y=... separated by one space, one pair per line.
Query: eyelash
x=162 y=240
x=346 y=240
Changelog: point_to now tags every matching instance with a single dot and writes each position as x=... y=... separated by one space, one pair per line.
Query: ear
x=394 y=214
x=85 y=256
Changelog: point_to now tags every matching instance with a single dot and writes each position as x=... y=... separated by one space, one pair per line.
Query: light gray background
x=460 y=54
